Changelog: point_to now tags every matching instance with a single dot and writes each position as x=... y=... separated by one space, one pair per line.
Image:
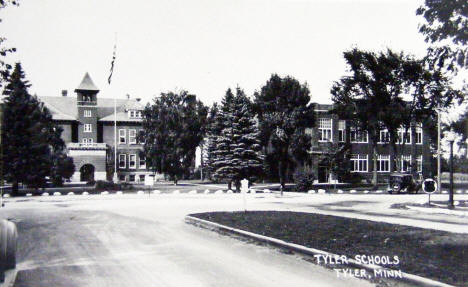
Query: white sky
x=203 y=46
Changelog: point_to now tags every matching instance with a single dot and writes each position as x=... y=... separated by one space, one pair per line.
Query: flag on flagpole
x=112 y=64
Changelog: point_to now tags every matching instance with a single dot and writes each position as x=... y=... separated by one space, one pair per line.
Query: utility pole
x=451 y=205
x=438 y=150
x=1 y=155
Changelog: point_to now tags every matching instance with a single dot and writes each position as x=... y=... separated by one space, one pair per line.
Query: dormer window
x=133 y=114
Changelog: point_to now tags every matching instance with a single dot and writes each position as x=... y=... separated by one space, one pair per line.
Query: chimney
x=64 y=93
x=128 y=96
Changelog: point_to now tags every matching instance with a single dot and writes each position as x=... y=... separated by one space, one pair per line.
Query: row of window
x=132 y=136
x=132 y=161
x=325 y=133
x=133 y=114
x=360 y=163
x=132 y=178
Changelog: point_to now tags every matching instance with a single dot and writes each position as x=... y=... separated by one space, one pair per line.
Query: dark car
x=403 y=183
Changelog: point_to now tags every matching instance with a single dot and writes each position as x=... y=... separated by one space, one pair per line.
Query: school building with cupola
x=88 y=131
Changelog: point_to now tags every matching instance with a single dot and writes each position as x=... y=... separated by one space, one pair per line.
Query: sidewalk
x=369 y=208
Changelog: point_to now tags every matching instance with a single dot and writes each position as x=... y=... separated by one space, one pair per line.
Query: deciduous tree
x=284 y=112
x=389 y=90
x=173 y=128
x=446 y=21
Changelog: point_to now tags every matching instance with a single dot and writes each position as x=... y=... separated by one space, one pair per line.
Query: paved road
x=141 y=241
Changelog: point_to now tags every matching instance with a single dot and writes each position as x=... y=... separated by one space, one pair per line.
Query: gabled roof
x=64 y=108
x=87 y=84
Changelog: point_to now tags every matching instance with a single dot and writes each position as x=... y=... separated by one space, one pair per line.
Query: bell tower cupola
x=86 y=92
x=86 y=102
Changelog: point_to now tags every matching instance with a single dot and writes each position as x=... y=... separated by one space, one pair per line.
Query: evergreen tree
x=247 y=160
x=31 y=143
x=236 y=146
x=222 y=154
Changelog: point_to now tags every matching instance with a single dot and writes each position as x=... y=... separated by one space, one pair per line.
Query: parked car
x=403 y=183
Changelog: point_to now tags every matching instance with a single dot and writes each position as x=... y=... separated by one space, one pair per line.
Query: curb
x=10 y=278
x=414 y=279
x=438 y=210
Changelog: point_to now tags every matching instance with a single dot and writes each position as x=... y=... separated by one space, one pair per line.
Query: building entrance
x=87 y=172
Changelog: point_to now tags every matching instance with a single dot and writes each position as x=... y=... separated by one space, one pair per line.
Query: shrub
x=125 y=186
x=105 y=185
x=90 y=183
x=303 y=181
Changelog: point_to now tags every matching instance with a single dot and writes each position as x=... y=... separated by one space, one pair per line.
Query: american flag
x=112 y=64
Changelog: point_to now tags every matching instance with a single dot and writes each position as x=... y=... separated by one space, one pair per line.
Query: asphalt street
x=133 y=240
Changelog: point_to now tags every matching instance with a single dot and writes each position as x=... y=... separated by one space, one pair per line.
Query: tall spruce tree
x=236 y=145
x=31 y=141
x=247 y=159
x=222 y=154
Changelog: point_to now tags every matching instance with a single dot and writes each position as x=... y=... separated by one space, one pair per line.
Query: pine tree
x=222 y=154
x=31 y=142
x=247 y=160
x=236 y=146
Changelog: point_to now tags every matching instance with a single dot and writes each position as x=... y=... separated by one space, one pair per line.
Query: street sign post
x=244 y=190
x=429 y=186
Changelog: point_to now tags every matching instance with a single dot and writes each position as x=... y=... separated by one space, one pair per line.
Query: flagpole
x=115 y=177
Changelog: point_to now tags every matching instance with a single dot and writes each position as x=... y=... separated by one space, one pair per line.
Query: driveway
x=141 y=241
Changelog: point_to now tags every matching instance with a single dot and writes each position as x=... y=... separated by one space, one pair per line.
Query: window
x=132 y=137
x=419 y=163
x=341 y=131
x=384 y=136
x=142 y=161
x=141 y=137
x=87 y=113
x=359 y=163
x=134 y=114
x=419 y=135
x=404 y=136
x=142 y=178
x=132 y=161
x=132 y=178
x=122 y=136
x=325 y=130
x=405 y=163
x=122 y=177
x=87 y=140
x=88 y=128
x=358 y=136
x=383 y=163
x=122 y=161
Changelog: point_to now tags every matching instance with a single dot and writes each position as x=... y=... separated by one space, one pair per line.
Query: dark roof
x=87 y=84
x=64 y=108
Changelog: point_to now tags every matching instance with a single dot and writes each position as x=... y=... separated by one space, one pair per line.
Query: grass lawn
x=439 y=255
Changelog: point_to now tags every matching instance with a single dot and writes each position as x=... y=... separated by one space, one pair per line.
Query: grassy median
x=439 y=255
